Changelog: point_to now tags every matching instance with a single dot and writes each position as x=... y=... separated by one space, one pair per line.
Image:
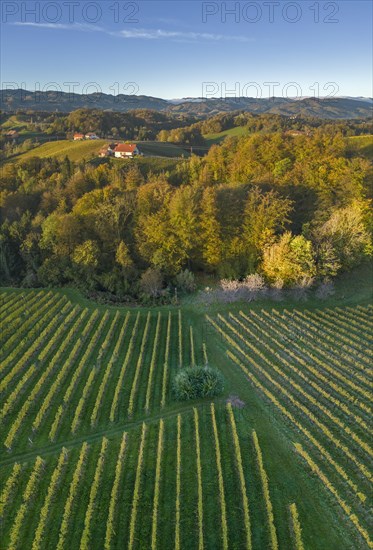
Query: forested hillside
x=53 y=100
x=292 y=207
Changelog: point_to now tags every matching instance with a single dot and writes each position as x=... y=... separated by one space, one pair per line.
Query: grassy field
x=79 y=150
x=75 y=150
x=238 y=131
x=160 y=149
x=97 y=454
x=14 y=123
x=361 y=145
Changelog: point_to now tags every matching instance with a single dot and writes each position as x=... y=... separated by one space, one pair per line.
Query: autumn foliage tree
x=210 y=230
x=289 y=260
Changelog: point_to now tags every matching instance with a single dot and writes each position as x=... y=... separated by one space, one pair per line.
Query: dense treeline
x=293 y=208
x=139 y=124
x=276 y=123
x=263 y=123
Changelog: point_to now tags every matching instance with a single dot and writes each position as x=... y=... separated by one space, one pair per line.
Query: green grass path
x=118 y=428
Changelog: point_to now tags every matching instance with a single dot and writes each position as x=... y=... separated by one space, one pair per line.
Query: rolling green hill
x=79 y=150
x=13 y=122
x=75 y=150
x=332 y=107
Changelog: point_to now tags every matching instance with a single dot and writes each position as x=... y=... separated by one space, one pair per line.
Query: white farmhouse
x=126 y=150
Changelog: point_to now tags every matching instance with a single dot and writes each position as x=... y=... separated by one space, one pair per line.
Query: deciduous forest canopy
x=289 y=199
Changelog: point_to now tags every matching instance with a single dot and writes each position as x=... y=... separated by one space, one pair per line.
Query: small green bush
x=197 y=382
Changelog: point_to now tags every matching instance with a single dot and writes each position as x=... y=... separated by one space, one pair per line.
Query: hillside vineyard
x=96 y=453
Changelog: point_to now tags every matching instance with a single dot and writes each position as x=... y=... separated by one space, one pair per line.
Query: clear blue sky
x=170 y=48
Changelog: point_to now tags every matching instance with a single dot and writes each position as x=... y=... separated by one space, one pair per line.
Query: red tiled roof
x=125 y=148
x=78 y=135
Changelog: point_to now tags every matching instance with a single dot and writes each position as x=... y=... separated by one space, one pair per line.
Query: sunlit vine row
x=345 y=507
x=265 y=488
x=45 y=511
x=72 y=496
x=152 y=362
x=284 y=410
x=108 y=371
x=114 y=404
x=110 y=523
x=136 y=491
x=87 y=534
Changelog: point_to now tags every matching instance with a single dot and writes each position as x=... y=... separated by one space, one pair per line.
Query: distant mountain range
x=333 y=108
